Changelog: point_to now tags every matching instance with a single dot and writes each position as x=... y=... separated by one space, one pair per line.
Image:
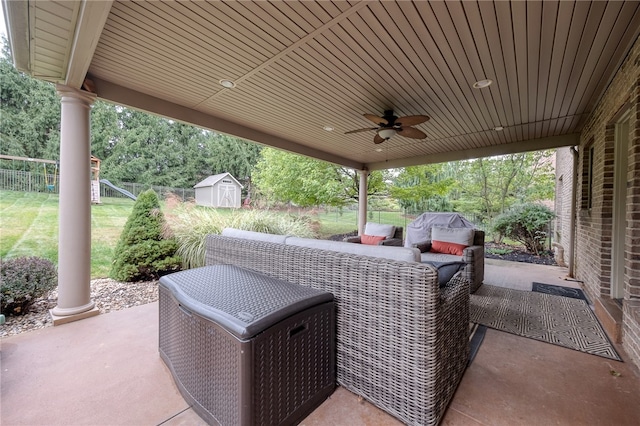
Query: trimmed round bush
x=142 y=253
x=527 y=224
x=23 y=280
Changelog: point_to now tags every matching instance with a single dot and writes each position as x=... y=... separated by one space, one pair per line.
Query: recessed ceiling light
x=227 y=83
x=482 y=83
x=498 y=128
x=378 y=149
x=328 y=128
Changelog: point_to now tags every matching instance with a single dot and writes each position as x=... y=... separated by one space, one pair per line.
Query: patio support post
x=362 y=201
x=74 y=250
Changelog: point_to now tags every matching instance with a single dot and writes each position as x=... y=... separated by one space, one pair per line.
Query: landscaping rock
x=109 y=295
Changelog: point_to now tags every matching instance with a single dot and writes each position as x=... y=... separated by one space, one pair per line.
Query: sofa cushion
x=439 y=257
x=385 y=252
x=252 y=235
x=378 y=229
x=451 y=240
x=372 y=240
x=446 y=270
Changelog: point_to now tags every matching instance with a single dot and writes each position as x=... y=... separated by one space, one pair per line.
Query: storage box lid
x=241 y=301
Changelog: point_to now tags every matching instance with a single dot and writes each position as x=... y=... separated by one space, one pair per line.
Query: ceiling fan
x=390 y=125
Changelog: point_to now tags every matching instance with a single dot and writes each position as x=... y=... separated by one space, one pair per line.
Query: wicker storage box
x=245 y=348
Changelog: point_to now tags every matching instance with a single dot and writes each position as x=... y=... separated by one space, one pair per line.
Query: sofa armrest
x=474 y=272
x=355 y=239
x=423 y=246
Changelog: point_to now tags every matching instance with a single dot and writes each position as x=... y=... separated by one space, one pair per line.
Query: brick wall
x=594 y=225
x=564 y=184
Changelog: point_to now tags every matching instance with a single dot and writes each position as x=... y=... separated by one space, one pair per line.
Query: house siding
x=595 y=224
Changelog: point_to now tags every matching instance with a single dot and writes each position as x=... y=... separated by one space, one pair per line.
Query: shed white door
x=226 y=195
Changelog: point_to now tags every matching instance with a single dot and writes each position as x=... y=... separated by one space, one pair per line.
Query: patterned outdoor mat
x=562 y=321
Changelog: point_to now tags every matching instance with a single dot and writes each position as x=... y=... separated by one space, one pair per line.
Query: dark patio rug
x=558 y=290
x=562 y=321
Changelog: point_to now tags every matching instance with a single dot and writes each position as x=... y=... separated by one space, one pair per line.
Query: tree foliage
x=489 y=186
x=284 y=177
x=142 y=253
x=416 y=187
x=30 y=111
x=156 y=151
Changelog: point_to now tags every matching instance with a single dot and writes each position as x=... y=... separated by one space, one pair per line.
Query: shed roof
x=213 y=179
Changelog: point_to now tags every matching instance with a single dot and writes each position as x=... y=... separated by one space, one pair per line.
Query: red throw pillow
x=447 y=248
x=372 y=240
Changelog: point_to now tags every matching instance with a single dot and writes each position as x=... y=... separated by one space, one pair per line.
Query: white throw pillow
x=380 y=230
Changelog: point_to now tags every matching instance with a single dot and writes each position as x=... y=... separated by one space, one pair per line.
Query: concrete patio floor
x=106 y=370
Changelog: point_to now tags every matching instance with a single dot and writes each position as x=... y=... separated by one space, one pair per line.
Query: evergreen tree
x=142 y=253
x=30 y=111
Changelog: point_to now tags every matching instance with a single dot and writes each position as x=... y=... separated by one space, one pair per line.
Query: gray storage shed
x=221 y=190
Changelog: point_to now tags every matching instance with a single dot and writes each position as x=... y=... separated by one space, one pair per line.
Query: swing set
x=50 y=182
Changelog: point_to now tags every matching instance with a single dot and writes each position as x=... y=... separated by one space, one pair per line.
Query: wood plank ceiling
x=301 y=66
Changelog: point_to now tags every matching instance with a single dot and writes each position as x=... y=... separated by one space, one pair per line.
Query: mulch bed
x=518 y=254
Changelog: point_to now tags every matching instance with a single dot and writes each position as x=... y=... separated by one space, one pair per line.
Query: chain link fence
x=24 y=181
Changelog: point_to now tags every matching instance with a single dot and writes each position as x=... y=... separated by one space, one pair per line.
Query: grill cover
x=420 y=229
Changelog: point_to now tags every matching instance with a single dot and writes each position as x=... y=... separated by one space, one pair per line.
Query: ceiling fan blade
x=410 y=132
x=412 y=120
x=361 y=130
x=376 y=119
x=377 y=139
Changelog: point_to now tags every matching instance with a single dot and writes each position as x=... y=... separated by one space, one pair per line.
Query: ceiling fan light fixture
x=480 y=84
x=386 y=134
x=227 y=84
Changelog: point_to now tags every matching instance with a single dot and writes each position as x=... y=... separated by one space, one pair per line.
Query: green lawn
x=29 y=226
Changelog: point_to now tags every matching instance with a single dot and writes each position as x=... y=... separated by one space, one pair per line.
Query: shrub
x=23 y=280
x=527 y=224
x=191 y=225
x=143 y=252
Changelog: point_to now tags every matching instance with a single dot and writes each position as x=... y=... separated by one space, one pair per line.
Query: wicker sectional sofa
x=402 y=340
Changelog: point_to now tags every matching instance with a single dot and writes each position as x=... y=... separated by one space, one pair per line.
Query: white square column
x=362 y=201
x=74 y=250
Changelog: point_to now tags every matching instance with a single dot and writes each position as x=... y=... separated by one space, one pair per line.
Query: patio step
x=609 y=314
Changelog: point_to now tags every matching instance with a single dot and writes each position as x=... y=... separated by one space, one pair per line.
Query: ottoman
x=245 y=348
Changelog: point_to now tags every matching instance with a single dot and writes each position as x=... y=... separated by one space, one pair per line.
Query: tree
x=30 y=111
x=144 y=148
x=284 y=177
x=489 y=186
x=142 y=253
x=417 y=186
x=232 y=155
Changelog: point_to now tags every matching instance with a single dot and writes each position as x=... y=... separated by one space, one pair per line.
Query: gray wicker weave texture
x=275 y=378
x=240 y=300
x=402 y=343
